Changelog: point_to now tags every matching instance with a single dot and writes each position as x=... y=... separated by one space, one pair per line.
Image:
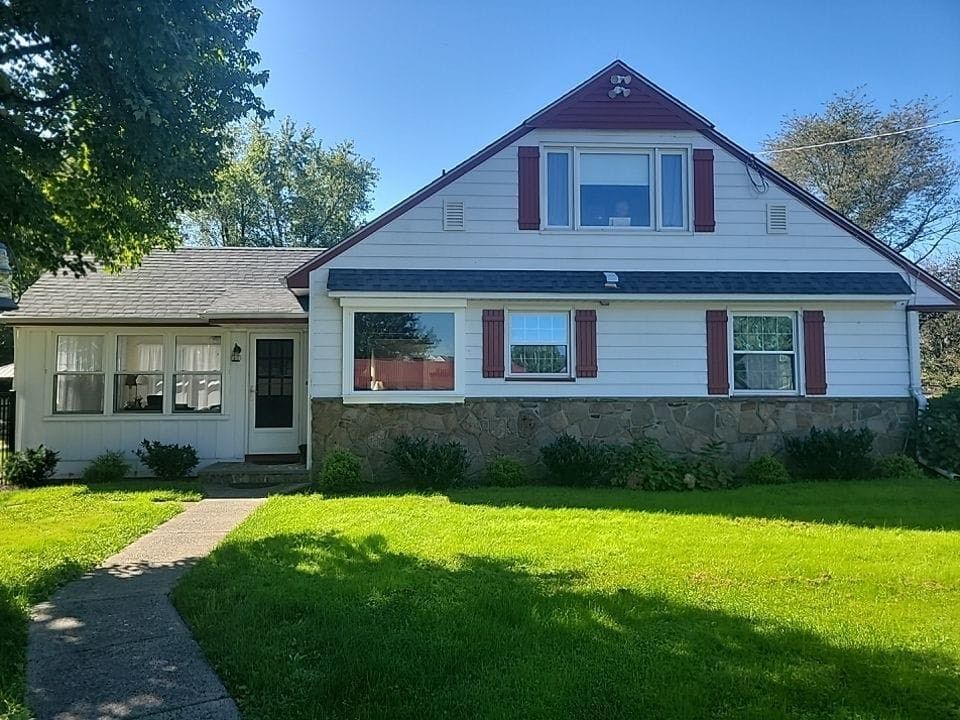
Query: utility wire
x=852 y=140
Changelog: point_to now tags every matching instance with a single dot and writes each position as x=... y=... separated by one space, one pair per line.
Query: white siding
x=644 y=348
x=79 y=439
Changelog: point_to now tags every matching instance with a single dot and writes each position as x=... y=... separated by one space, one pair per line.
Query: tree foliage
x=940 y=335
x=283 y=188
x=901 y=188
x=112 y=119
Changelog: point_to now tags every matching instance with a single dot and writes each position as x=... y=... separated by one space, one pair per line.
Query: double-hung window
x=78 y=379
x=764 y=353
x=594 y=188
x=539 y=344
x=197 y=374
x=139 y=379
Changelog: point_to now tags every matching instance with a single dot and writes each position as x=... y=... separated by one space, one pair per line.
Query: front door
x=274 y=401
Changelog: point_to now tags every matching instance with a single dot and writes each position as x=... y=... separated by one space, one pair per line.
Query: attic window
x=776 y=218
x=453 y=215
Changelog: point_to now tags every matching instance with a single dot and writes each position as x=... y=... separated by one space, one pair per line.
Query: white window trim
x=110 y=371
x=798 y=373
x=196 y=373
x=388 y=397
x=571 y=349
x=654 y=151
x=51 y=384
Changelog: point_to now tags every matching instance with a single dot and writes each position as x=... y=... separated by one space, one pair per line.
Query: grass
x=826 y=600
x=53 y=534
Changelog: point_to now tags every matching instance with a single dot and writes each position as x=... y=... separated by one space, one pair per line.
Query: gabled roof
x=588 y=282
x=588 y=106
x=188 y=285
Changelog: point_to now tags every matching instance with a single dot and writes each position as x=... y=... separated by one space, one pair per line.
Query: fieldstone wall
x=519 y=427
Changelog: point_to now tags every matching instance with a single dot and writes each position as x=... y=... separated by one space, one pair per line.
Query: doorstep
x=249 y=474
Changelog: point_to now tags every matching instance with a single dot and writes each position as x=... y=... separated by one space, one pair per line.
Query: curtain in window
x=79 y=353
x=671 y=177
x=558 y=189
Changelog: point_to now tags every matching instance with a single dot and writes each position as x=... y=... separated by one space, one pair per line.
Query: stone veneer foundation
x=518 y=427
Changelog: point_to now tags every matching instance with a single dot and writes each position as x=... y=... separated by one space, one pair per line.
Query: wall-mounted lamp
x=235 y=354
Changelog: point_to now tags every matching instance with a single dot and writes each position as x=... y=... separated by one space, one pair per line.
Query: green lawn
x=51 y=535
x=825 y=600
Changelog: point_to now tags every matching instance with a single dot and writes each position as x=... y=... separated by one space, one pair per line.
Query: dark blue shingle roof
x=562 y=282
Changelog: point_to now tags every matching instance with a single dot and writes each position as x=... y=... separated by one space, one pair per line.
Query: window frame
x=161 y=371
x=350 y=307
x=52 y=386
x=509 y=313
x=797 y=352
x=654 y=150
x=192 y=373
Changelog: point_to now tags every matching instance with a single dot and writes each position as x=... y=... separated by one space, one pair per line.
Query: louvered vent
x=776 y=218
x=453 y=214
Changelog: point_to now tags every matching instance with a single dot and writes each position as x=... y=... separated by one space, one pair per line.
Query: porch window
x=139 y=378
x=198 y=374
x=764 y=353
x=78 y=380
x=403 y=351
x=539 y=344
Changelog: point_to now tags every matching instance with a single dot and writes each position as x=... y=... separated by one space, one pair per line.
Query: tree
x=901 y=188
x=283 y=188
x=940 y=335
x=112 y=119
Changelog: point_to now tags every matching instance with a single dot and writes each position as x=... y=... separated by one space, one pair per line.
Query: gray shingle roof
x=186 y=284
x=640 y=283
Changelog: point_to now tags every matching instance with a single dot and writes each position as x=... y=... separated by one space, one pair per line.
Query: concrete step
x=244 y=474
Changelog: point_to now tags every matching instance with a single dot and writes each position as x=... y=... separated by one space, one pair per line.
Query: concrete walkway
x=111 y=645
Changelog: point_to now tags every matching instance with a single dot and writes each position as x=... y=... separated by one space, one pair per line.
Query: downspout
x=913 y=358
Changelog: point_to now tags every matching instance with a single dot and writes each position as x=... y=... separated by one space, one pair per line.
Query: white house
x=613 y=267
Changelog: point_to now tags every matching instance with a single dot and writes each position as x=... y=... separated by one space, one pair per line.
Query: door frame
x=287 y=439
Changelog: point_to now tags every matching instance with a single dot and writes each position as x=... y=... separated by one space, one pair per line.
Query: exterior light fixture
x=235 y=355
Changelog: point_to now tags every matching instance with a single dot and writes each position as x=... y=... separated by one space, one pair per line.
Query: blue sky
x=419 y=85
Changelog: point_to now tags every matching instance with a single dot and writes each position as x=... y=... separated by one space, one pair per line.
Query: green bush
x=897 y=466
x=570 y=461
x=840 y=454
x=168 y=461
x=427 y=464
x=30 y=468
x=506 y=472
x=107 y=467
x=644 y=464
x=341 y=470
x=938 y=432
x=709 y=469
x=766 y=470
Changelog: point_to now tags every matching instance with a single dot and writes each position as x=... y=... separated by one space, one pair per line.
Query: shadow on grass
x=304 y=624
x=921 y=504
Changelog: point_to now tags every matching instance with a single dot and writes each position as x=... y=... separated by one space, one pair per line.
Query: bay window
x=78 y=377
x=764 y=353
x=638 y=188
x=539 y=344
x=197 y=377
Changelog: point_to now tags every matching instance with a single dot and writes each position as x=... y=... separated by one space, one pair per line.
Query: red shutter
x=814 y=352
x=586 y=324
x=718 y=378
x=493 y=343
x=528 y=187
x=703 y=220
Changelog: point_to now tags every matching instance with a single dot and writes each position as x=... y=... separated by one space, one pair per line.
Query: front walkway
x=110 y=645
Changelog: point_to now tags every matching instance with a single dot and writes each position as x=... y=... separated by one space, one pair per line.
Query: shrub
x=766 y=470
x=341 y=470
x=168 y=461
x=107 y=467
x=570 y=461
x=30 y=468
x=506 y=472
x=938 y=432
x=644 y=464
x=840 y=454
x=709 y=469
x=897 y=466
x=427 y=464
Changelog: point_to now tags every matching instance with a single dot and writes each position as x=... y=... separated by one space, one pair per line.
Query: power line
x=858 y=139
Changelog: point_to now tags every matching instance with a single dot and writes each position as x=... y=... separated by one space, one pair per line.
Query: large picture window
x=540 y=344
x=615 y=190
x=764 y=353
x=404 y=351
x=78 y=380
x=197 y=377
x=139 y=379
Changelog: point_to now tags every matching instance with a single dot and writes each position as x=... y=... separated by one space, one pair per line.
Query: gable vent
x=453 y=214
x=776 y=218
